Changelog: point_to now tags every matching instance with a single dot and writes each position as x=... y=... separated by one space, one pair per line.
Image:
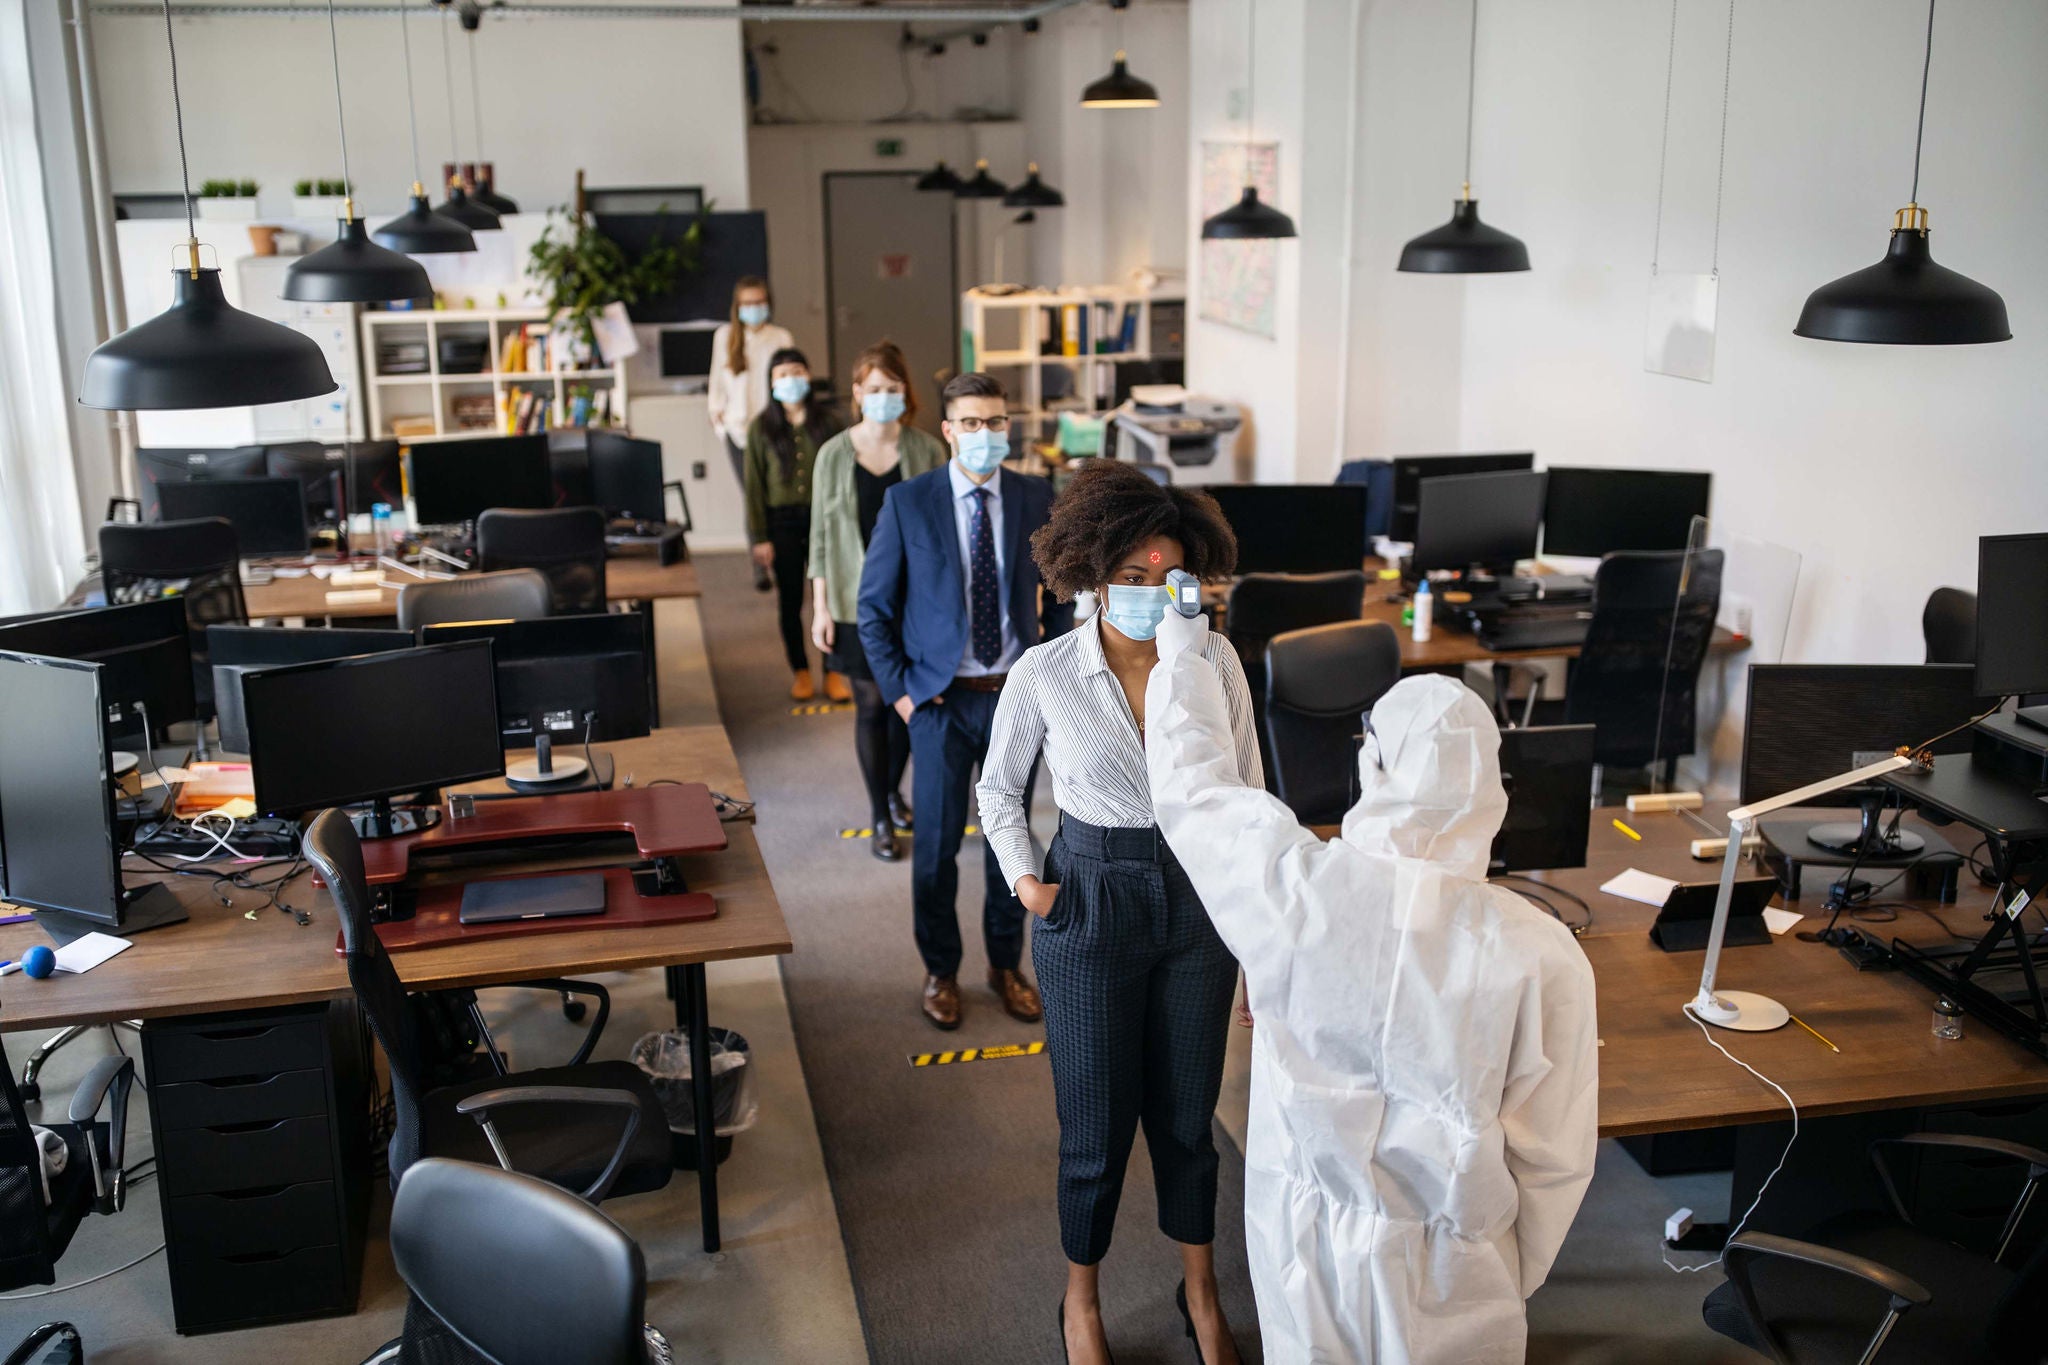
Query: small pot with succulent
x=228 y=200
x=318 y=199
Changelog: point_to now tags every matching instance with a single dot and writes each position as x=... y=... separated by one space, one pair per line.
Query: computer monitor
x=145 y=649
x=1412 y=471
x=685 y=352
x=60 y=850
x=269 y=515
x=375 y=474
x=1489 y=520
x=1548 y=772
x=2012 y=620
x=1809 y=722
x=455 y=482
x=371 y=727
x=238 y=650
x=158 y=466
x=1295 y=527
x=316 y=467
x=625 y=476
x=565 y=676
x=1596 y=512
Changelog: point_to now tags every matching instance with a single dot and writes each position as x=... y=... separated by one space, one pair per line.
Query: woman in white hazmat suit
x=1424 y=1075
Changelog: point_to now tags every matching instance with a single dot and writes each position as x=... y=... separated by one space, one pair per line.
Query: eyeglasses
x=981 y=423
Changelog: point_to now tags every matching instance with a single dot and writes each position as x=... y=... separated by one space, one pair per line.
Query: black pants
x=881 y=741
x=789 y=531
x=949 y=739
x=1137 y=989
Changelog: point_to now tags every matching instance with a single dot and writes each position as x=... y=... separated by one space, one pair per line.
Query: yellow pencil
x=1811 y=1029
x=1629 y=832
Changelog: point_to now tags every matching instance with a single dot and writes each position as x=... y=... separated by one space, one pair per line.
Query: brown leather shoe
x=802 y=686
x=837 y=688
x=1019 y=997
x=942 y=1001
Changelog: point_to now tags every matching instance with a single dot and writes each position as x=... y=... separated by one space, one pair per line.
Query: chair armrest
x=480 y=1105
x=1904 y=1291
x=2034 y=1157
x=568 y=987
x=110 y=1078
x=32 y=1345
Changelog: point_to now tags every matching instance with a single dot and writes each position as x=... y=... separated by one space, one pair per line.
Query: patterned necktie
x=986 y=614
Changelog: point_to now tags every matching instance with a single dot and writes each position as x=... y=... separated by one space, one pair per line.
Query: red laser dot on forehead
x=1155 y=556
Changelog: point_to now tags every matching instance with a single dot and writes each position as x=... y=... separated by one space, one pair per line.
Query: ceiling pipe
x=883 y=12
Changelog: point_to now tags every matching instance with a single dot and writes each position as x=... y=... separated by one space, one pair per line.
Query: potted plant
x=228 y=200
x=318 y=199
x=580 y=272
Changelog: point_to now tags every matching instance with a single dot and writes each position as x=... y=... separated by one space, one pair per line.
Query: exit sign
x=888 y=146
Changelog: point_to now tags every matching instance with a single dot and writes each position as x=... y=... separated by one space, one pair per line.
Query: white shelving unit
x=1002 y=335
x=431 y=395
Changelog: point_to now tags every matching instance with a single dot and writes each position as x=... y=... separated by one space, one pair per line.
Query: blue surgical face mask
x=753 y=314
x=982 y=452
x=791 y=388
x=881 y=407
x=1135 y=611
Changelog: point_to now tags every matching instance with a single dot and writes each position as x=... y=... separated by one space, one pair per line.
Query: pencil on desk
x=1629 y=832
x=1811 y=1029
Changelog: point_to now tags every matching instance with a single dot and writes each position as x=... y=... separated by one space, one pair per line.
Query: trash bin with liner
x=665 y=1058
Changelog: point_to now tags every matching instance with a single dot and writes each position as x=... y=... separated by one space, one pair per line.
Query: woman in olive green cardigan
x=782 y=444
x=855 y=470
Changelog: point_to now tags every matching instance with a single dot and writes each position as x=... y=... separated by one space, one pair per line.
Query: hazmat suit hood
x=1429 y=778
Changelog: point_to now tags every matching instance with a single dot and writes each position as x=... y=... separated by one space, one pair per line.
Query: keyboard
x=1532 y=626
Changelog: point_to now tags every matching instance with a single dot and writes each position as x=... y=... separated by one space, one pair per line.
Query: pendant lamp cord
x=1664 y=139
x=1251 y=82
x=178 y=113
x=1721 y=155
x=448 y=87
x=348 y=185
x=1471 y=84
x=412 y=112
x=476 y=102
x=1920 y=129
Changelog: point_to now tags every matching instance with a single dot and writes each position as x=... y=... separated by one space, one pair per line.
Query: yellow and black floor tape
x=869 y=831
x=978 y=1054
x=820 y=708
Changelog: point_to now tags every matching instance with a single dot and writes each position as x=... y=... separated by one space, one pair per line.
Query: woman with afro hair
x=1136 y=984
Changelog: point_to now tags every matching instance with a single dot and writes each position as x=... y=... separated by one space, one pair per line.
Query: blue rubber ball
x=38 y=962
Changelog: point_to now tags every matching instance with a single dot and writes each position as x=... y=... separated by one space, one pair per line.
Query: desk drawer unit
x=262 y=1139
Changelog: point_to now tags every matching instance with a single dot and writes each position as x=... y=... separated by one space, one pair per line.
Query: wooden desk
x=1447 y=648
x=633 y=578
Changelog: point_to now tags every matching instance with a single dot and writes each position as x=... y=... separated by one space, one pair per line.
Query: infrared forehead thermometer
x=1185 y=592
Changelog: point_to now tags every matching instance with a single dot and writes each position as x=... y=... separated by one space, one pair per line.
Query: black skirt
x=846 y=655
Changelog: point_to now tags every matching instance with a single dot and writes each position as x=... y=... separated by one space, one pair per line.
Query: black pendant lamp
x=353 y=269
x=1034 y=194
x=458 y=205
x=940 y=178
x=1248 y=219
x=201 y=352
x=1906 y=299
x=1465 y=246
x=486 y=191
x=1120 y=89
x=420 y=231
x=983 y=186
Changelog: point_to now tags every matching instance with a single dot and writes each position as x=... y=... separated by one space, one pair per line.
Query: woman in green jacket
x=856 y=469
x=782 y=444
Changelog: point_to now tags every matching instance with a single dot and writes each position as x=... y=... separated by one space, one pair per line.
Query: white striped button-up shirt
x=1062 y=700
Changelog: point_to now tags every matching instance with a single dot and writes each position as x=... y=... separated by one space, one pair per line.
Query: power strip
x=1717 y=848
x=1659 y=803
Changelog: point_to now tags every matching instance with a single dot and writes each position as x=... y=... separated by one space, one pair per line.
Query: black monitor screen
x=625 y=476
x=566 y=675
x=2012 y=615
x=236 y=650
x=146 y=650
x=1810 y=722
x=454 y=482
x=1295 y=527
x=376 y=725
x=158 y=466
x=685 y=352
x=1412 y=471
x=1486 y=519
x=57 y=837
x=1606 y=511
x=1548 y=771
x=269 y=515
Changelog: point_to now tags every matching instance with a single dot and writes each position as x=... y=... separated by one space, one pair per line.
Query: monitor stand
x=381 y=821
x=1866 y=836
x=2035 y=716
x=140 y=908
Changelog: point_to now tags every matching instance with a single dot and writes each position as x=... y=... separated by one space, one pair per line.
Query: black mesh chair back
x=1263 y=605
x=200 y=560
x=331 y=846
x=1645 y=642
x=27 y=1254
x=1319 y=683
x=509 y=1270
x=510 y=595
x=565 y=543
x=1948 y=626
x=35 y=1230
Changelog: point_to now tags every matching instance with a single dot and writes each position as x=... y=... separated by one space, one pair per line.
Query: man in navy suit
x=949 y=597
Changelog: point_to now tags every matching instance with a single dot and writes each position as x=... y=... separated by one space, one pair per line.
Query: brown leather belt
x=992 y=682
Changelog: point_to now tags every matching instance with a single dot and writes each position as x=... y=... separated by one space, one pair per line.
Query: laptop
x=520 y=898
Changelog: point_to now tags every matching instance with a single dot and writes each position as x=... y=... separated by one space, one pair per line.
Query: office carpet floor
x=944 y=1176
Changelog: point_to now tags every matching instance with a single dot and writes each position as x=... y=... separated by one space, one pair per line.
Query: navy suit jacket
x=913 y=585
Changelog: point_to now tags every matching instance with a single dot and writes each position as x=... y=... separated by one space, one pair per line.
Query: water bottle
x=1425 y=613
x=380 y=528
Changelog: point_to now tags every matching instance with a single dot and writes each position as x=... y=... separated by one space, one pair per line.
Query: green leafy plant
x=247 y=189
x=334 y=188
x=583 y=271
x=216 y=189
x=304 y=188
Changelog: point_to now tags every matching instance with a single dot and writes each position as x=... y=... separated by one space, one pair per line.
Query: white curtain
x=42 y=544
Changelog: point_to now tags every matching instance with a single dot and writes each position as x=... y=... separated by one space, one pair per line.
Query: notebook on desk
x=525 y=898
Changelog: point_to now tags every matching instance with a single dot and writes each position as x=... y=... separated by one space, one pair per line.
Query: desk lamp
x=1741 y=1010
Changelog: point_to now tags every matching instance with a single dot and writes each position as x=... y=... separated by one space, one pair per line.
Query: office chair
x=566 y=1285
x=1263 y=605
x=1871 y=1287
x=592 y=1127
x=565 y=543
x=200 y=560
x=510 y=595
x=1319 y=682
x=1948 y=626
x=53 y=1343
